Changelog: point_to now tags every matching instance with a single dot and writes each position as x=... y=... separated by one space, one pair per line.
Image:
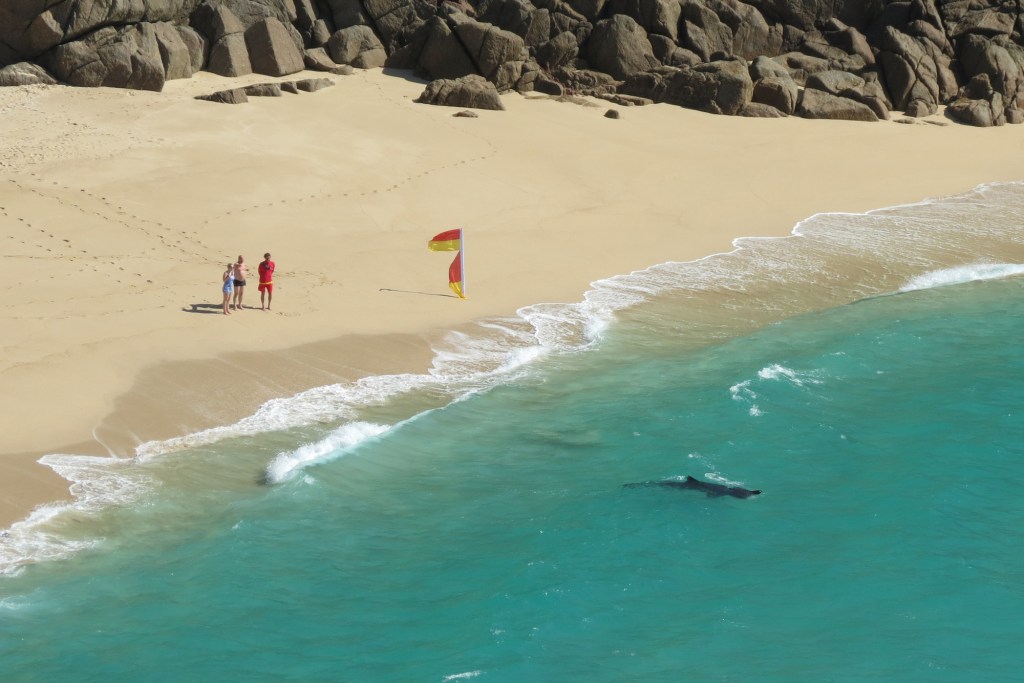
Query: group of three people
x=234 y=284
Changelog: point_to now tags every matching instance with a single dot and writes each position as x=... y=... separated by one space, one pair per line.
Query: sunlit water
x=472 y=523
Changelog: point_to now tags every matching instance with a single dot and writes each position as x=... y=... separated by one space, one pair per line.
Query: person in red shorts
x=266 y=269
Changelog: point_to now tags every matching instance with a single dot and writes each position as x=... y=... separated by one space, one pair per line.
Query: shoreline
x=124 y=360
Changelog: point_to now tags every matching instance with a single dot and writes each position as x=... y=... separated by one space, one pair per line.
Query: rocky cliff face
x=852 y=59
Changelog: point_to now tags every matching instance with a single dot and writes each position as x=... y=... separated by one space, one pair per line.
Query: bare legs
x=227 y=299
x=269 y=296
x=239 y=291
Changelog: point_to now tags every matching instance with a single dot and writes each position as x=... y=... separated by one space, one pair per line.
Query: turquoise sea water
x=472 y=523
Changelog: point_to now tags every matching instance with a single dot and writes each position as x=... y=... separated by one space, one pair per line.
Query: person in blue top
x=229 y=286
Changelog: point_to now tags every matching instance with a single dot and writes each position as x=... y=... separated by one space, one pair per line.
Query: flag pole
x=462 y=255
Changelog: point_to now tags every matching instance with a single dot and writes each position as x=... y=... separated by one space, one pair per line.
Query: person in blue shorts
x=229 y=286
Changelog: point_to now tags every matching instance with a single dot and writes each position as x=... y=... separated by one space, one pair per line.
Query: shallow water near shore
x=472 y=523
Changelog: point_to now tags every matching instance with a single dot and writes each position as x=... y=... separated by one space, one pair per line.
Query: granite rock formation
x=820 y=58
x=471 y=91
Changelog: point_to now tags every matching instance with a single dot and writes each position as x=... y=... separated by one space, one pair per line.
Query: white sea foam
x=340 y=440
x=776 y=371
x=321 y=404
x=962 y=274
x=96 y=483
x=465 y=674
x=31 y=540
x=741 y=391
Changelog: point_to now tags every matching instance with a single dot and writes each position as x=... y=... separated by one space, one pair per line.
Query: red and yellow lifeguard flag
x=451 y=240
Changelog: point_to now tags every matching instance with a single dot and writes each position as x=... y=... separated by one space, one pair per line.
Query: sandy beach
x=120 y=209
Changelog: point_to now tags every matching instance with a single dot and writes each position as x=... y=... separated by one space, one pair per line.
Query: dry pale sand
x=120 y=209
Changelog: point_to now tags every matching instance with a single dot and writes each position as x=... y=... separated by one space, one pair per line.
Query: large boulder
x=25 y=73
x=225 y=32
x=763 y=67
x=317 y=59
x=851 y=86
x=252 y=12
x=271 y=49
x=393 y=19
x=915 y=69
x=777 y=91
x=533 y=79
x=358 y=46
x=850 y=41
x=752 y=35
x=182 y=50
x=818 y=104
x=345 y=13
x=540 y=30
x=978 y=104
x=1001 y=61
x=30 y=28
x=985 y=21
x=799 y=65
x=196 y=44
x=559 y=51
x=489 y=47
x=306 y=16
x=659 y=17
x=123 y=57
x=521 y=17
x=670 y=54
x=472 y=91
x=440 y=55
x=619 y=46
x=981 y=113
x=815 y=44
x=722 y=87
x=702 y=31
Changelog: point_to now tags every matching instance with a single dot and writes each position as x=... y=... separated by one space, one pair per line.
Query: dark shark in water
x=711 y=489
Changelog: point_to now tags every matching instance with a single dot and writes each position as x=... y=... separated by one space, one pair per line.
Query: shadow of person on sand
x=204 y=308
